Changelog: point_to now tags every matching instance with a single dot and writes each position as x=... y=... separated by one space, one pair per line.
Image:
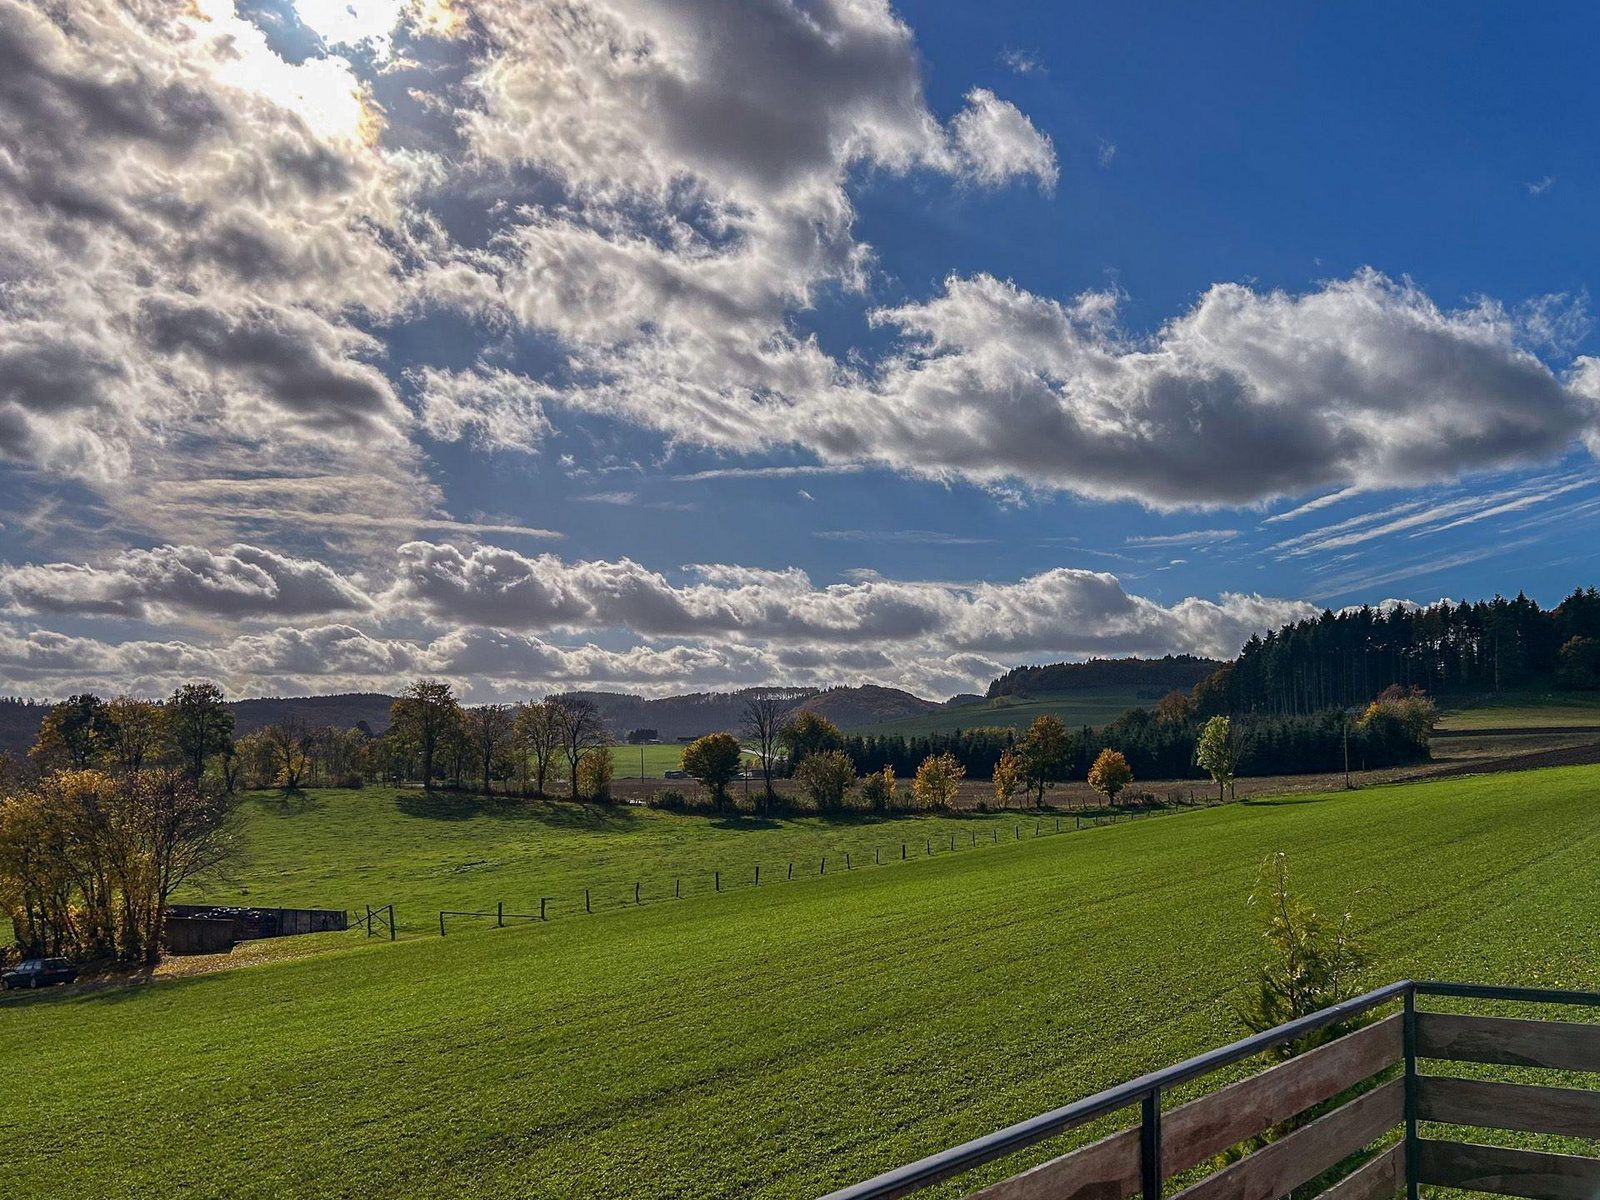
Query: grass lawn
x=1086 y=706
x=653 y=762
x=330 y=848
x=773 y=1043
x=1560 y=710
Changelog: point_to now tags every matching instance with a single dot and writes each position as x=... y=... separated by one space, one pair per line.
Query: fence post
x=391 y=922
x=636 y=892
x=542 y=899
x=441 y=924
x=586 y=907
x=952 y=841
x=500 y=915
x=716 y=880
x=876 y=861
x=1018 y=829
x=902 y=852
x=791 y=870
x=1058 y=824
x=1150 y=1145
x=369 y=920
x=1036 y=829
x=1077 y=822
x=927 y=846
x=677 y=888
x=996 y=833
x=824 y=868
x=1409 y=1039
x=758 y=874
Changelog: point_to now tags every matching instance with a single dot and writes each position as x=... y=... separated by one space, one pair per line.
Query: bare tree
x=580 y=728
x=489 y=728
x=287 y=745
x=538 y=736
x=762 y=722
x=182 y=830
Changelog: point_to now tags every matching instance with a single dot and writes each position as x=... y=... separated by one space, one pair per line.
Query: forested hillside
x=1344 y=659
x=1175 y=671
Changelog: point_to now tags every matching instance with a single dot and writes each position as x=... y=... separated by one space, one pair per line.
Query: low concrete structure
x=212 y=928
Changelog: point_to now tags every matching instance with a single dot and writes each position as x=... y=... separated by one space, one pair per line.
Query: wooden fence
x=1342 y=1117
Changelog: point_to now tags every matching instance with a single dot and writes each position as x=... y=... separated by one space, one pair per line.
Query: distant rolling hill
x=869 y=704
x=19 y=720
x=1096 y=692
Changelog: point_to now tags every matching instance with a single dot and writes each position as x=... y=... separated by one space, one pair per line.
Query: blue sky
x=679 y=345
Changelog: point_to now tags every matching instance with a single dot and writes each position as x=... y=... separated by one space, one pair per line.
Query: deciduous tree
x=538 y=737
x=489 y=727
x=714 y=762
x=763 y=722
x=423 y=716
x=580 y=728
x=1009 y=777
x=1110 y=774
x=76 y=733
x=1216 y=754
x=1043 y=752
x=139 y=730
x=937 y=781
x=201 y=723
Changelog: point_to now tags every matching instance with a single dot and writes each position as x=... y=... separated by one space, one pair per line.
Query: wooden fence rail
x=1341 y=1117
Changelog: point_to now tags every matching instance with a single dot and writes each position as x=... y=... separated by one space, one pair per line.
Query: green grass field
x=653 y=762
x=330 y=848
x=1088 y=706
x=1558 y=710
x=769 y=1043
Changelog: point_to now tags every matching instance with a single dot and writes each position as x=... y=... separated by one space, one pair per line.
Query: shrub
x=1313 y=962
x=594 y=774
x=672 y=800
x=826 y=776
x=877 y=790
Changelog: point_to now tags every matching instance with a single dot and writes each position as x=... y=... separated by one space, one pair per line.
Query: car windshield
x=57 y=962
x=28 y=964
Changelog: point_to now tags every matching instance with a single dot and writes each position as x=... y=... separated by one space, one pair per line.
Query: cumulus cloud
x=1250 y=395
x=997 y=143
x=1063 y=611
x=197 y=237
x=500 y=615
x=240 y=581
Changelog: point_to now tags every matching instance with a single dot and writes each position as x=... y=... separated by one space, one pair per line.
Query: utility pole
x=1347 y=750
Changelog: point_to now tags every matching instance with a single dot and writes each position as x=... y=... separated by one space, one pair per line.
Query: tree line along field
x=791 y=1041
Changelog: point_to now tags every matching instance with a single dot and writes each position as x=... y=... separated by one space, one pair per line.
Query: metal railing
x=1128 y=1165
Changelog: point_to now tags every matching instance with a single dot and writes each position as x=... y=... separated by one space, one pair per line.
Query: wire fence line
x=658 y=888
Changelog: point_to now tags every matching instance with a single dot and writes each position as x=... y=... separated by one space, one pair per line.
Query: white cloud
x=495 y=609
x=997 y=143
x=169 y=580
x=1063 y=611
x=494 y=409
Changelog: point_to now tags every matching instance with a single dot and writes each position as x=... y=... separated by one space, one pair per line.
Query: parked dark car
x=39 y=972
